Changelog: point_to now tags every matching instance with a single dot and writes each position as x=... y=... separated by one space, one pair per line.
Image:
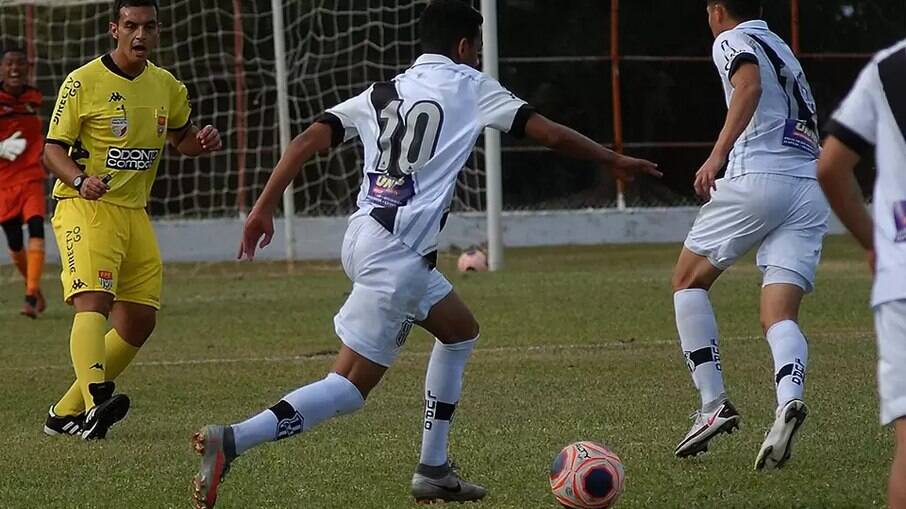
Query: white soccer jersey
x=874 y=114
x=418 y=131
x=782 y=137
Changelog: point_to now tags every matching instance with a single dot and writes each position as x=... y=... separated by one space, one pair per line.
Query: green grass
x=577 y=343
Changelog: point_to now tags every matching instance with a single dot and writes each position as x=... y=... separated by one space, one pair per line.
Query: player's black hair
x=742 y=10
x=12 y=49
x=446 y=22
x=119 y=4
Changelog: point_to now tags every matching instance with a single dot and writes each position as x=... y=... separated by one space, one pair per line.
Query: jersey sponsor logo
x=70 y=90
x=899 y=220
x=119 y=126
x=799 y=134
x=116 y=97
x=105 y=279
x=387 y=191
x=135 y=159
x=73 y=237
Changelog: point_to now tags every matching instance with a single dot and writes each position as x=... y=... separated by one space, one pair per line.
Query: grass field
x=577 y=343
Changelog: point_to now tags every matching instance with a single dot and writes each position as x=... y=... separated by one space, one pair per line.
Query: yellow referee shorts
x=107 y=248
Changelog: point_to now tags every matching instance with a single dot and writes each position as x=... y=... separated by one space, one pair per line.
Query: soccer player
x=872 y=119
x=107 y=132
x=22 y=177
x=769 y=198
x=418 y=130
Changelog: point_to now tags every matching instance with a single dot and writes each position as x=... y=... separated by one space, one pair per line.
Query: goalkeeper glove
x=12 y=147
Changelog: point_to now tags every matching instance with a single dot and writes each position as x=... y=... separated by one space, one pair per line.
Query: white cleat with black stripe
x=707 y=425
x=63 y=424
x=778 y=441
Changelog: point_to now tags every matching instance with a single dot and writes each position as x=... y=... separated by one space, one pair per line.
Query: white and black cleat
x=778 y=441
x=101 y=417
x=707 y=425
x=70 y=425
x=443 y=484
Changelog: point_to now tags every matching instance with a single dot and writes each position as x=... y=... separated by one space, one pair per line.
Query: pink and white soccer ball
x=587 y=475
x=472 y=260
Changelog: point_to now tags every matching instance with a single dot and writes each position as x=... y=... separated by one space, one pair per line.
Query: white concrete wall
x=320 y=238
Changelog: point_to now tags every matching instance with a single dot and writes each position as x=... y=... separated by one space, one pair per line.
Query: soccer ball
x=473 y=260
x=587 y=475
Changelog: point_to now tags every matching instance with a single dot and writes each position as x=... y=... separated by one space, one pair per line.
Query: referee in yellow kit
x=107 y=132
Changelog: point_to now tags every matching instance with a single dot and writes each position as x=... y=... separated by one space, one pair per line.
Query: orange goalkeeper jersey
x=20 y=113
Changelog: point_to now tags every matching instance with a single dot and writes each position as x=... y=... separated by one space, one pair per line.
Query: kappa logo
x=116 y=97
x=78 y=284
x=97 y=365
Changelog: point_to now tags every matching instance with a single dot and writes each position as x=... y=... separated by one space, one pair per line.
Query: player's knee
x=687 y=280
x=460 y=331
x=13 y=231
x=35 y=227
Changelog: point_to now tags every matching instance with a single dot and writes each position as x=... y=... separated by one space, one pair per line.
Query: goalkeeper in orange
x=107 y=132
x=22 y=177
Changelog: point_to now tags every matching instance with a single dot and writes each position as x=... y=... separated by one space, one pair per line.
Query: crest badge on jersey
x=105 y=280
x=899 y=221
x=161 y=124
x=119 y=126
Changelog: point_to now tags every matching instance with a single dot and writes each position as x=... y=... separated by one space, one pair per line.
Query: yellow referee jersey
x=116 y=126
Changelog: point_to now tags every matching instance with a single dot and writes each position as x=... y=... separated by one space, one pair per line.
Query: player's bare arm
x=193 y=141
x=57 y=160
x=746 y=96
x=835 y=174
x=260 y=224
x=571 y=143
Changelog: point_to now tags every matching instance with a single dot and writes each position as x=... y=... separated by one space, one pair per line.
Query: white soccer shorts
x=890 y=322
x=785 y=215
x=393 y=287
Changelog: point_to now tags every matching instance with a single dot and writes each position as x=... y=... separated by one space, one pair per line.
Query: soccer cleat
x=63 y=424
x=101 y=417
x=707 y=425
x=40 y=302
x=778 y=441
x=215 y=444
x=443 y=484
x=30 y=307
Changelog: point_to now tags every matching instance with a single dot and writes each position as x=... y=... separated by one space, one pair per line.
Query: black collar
x=111 y=66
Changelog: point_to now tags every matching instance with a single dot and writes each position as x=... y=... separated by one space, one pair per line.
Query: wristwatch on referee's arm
x=77 y=183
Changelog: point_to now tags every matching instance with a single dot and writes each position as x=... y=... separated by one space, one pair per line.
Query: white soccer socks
x=300 y=410
x=443 y=386
x=790 y=350
x=697 y=329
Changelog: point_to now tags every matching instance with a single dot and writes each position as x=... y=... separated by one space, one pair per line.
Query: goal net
x=223 y=51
